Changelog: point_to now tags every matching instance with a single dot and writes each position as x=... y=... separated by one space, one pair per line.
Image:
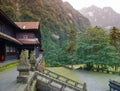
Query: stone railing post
x=33 y=62
x=84 y=87
x=23 y=73
x=62 y=88
x=23 y=67
x=38 y=62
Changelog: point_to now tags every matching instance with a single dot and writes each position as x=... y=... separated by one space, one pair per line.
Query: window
x=14 y=49
x=25 y=36
x=7 y=49
x=10 y=49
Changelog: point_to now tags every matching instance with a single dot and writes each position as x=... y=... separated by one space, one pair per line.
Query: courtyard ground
x=95 y=81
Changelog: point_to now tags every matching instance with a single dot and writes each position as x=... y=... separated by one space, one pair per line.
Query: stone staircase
x=57 y=82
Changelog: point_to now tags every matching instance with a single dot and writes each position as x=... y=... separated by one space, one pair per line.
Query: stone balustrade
x=61 y=86
x=51 y=80
x=64 y=79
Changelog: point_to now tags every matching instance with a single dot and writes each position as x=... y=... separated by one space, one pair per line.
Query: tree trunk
x=72 y=66
x=98 y=68
x=115 y=68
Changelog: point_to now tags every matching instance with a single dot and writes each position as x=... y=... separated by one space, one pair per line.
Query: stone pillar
x=84 y=87
x=23 y=73
x=33 y=63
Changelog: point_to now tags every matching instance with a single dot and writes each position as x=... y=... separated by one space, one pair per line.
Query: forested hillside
x=56 y=19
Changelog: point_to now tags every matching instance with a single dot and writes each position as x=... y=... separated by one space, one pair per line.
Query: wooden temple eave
x=28 y=25
x=7 y=37
x=34 y=41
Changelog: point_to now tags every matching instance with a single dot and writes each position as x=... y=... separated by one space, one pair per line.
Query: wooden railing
x=115 y=86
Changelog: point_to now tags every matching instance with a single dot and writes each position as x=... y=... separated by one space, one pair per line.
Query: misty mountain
x=105 y=17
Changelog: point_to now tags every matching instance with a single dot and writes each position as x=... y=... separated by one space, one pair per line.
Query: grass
x=65 y=72
x=95 y=80
x=8 y=66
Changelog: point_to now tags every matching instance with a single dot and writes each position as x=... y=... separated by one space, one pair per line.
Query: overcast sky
x=78 y=4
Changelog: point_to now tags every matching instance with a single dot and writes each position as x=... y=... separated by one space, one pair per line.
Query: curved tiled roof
x=27 y=25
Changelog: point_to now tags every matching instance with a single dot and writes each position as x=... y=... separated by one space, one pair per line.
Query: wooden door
x=2 y=56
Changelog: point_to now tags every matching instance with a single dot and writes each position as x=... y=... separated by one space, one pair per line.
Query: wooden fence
x=114 y=85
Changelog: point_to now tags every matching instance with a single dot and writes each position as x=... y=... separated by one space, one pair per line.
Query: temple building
x=16 y=36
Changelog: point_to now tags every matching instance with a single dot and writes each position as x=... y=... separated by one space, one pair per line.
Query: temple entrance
x=2 y=54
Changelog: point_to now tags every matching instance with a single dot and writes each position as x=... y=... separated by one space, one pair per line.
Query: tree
x=71 y=42
x=115 y=41
x=71 y=46
x=115 y=38
x=10 y=12
x=54 y=53
x=94 y=48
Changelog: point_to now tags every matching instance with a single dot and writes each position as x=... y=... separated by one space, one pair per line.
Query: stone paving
x=96 y=81
x=8 y=80
x=7 y=62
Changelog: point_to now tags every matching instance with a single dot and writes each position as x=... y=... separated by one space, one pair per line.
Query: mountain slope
x=51 y=13
x=105 y=17
x=56 y=19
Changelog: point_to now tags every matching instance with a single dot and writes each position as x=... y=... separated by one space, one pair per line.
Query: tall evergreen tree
x=94 y=48
x=115 y=41
x=71 y=46
x=115 y=38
